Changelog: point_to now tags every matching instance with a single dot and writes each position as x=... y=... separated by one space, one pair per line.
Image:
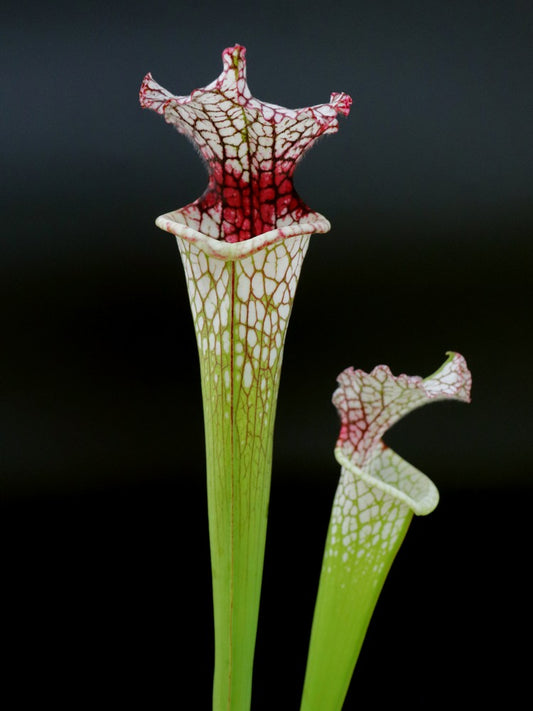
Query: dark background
x=428 y=186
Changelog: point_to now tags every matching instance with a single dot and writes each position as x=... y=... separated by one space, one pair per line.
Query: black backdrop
x=428 y=186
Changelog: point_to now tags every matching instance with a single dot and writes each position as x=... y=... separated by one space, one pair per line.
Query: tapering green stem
x=241 y=309
x=366 y=530
x=238 y=452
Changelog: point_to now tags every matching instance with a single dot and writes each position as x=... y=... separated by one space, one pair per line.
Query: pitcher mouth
x=313 y=223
